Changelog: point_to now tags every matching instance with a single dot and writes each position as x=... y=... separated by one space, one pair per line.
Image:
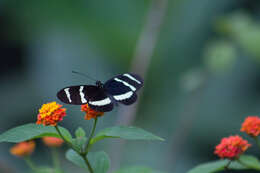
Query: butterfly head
x=99 y=84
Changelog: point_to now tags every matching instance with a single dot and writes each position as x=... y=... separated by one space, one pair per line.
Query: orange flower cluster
x=90 y=113
x=231 y=147
x=251 y=126
x=23 y=149
x=52 y=141
x=50 y=114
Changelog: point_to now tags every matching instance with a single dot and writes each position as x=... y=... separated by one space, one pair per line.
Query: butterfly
x=102 y=97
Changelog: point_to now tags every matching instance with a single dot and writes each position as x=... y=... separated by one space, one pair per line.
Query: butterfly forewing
x=74 y=94
x=83 y=94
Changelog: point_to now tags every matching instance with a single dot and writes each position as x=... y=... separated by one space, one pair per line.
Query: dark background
x=201 y=78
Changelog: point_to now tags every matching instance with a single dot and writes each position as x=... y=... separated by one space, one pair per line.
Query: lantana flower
x=52 y=141
x=251 y=126
x=50 y=114
x=231 y=147
x=90 y=113
x=23 y=149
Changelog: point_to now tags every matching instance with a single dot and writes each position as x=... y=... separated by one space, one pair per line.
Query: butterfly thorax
x=99 y=84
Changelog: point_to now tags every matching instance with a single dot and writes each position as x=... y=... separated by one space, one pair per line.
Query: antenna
x=82 y=74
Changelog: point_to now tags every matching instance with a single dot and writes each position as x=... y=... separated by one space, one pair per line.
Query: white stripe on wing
x=103 y=102
x=68 y=93
x=82 y=95
x=132 y=78
x=123 y=96
x=125 y=83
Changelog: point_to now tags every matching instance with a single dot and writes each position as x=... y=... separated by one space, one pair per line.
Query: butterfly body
x=102 y=97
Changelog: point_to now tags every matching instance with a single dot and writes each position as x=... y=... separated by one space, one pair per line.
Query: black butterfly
x=101 y=97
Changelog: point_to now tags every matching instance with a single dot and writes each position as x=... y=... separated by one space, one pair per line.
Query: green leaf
x=236 y=166
x=75 y=158
x=99 y=160
x=32 y=131
x=137 y=169
x=79 y=143
x=245 y=162
x=210 y=167
x=249 y=162
x=130 y=133
x=80 y=132
x=80 y=139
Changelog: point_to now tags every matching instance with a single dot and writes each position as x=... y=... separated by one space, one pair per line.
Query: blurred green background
x=202 y=77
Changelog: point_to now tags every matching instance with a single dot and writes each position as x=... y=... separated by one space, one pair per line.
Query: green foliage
x=243 y=30
x=137 y=169
x=250 y=162
x=244 y=162
x=80 y=140
x=217 y=166
x=210 y=167
x=78 y=143
x=129 y=133
x=80 y=132
x=236 y=166
x=220 y=56
x=75 y=158
x=99 y=160
x=32 y=131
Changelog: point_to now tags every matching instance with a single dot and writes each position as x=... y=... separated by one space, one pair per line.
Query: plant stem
x=91 y=136
x=257 y=141
x=83 y=155
x=65 y=140
x=55 y=158
x=226 y=167
x=30 y=163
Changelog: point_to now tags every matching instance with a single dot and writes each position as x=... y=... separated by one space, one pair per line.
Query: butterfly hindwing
x=99 y=100
x=133 y=81
x=129 y=100
x=123 y=87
